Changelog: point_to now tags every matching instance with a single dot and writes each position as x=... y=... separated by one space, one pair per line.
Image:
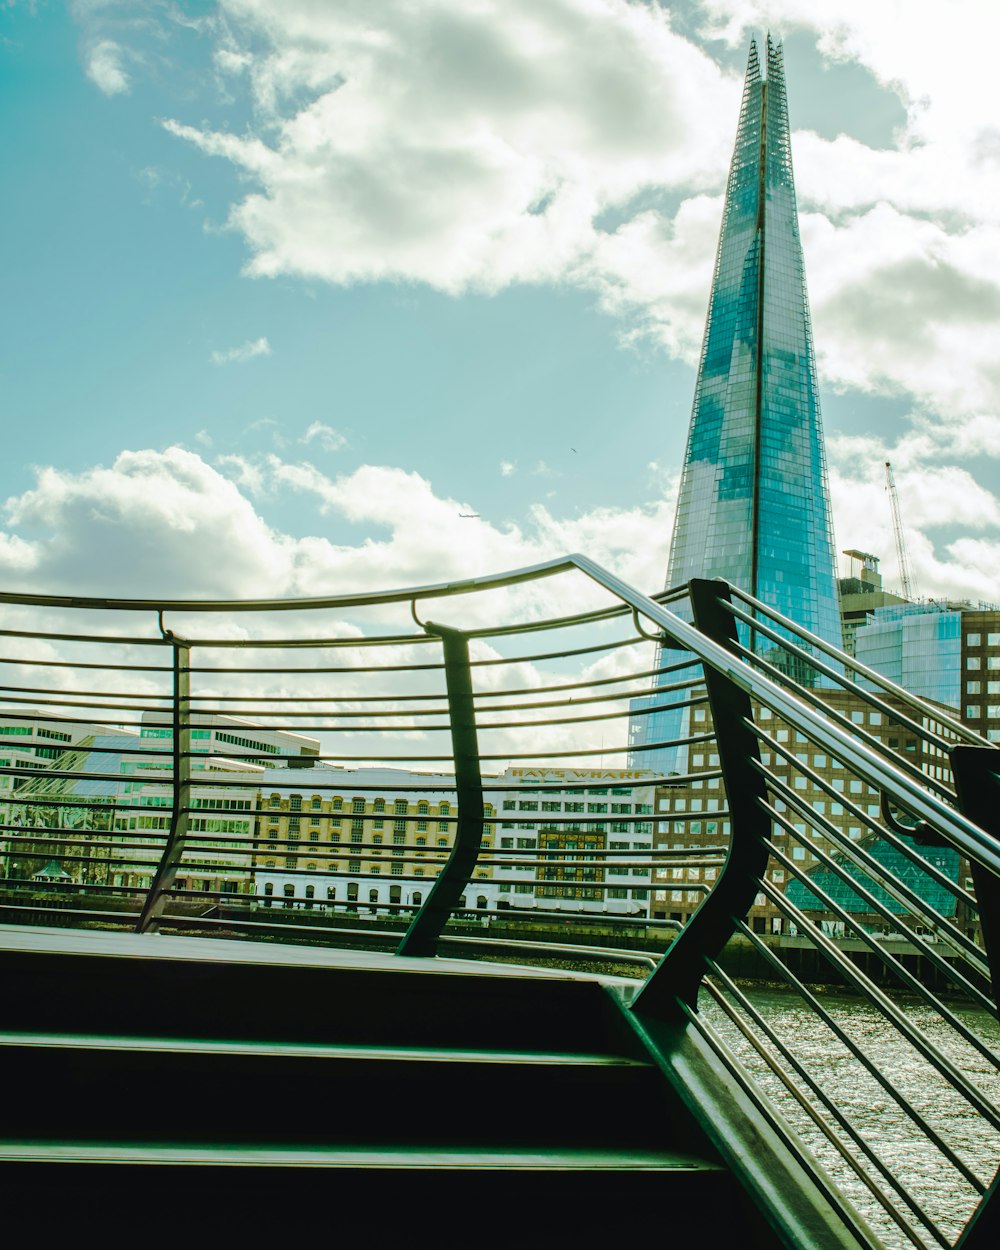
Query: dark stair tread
x=383 y=1157
x=313 y=1050
x=129 y=988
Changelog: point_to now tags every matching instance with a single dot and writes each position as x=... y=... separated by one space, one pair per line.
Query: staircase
x=232 y=1089
x=313 y=1089
x=150 y=1070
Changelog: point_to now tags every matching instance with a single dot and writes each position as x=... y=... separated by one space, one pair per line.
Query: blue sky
x=289 y=287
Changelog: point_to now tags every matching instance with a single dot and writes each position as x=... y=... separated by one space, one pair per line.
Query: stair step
x=389 y=1157
x=559 y=1196
x=132 y=992
x=315 y=1050
x=323 y=1095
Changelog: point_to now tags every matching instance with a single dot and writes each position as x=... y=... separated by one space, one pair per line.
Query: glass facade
x=918 y=646
x=943 y=858
x=754 y=503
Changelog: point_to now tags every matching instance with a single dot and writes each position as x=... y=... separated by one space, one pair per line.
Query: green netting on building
x=944 y=859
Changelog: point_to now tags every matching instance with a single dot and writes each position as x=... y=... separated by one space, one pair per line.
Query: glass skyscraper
x=754 y=503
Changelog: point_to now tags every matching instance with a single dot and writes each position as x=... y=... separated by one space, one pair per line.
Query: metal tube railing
x=191 y=867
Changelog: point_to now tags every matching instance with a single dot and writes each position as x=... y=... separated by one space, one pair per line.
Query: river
x=935 y=1184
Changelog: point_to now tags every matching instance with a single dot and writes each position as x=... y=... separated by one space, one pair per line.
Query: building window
x=357 y=805
x=973 y=640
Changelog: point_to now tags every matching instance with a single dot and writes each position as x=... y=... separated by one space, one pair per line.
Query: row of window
x=400 y=807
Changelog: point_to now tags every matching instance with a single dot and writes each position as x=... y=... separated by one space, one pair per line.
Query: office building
x=861 y=593
x=576 y=839
x=754 y=504
x=826 y=806
x=940 y=650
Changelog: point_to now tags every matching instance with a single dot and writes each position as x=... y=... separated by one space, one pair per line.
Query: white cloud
x=242 y=471
x=152 y=520
x=507 y=467
x=169 y=524
x=478 y=146
x=324 y=436
x=536 y=115
x=246 y=351
x=104 y=67
x=935 y=499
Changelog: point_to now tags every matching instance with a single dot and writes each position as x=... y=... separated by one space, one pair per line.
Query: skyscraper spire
x=754 y=504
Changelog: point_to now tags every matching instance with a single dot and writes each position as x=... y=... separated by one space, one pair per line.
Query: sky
x=320 y=296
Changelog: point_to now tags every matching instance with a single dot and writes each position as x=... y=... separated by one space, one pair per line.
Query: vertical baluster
x=977 y=781
x=421 y=937
x=173 y=850
x=682 y=968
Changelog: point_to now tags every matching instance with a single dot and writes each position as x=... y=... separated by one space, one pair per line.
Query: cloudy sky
x=291 y=287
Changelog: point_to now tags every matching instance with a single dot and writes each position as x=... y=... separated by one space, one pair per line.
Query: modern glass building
x=754 y=503
x=918 y=646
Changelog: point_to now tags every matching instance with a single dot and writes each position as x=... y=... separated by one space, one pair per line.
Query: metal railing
x=366 y=776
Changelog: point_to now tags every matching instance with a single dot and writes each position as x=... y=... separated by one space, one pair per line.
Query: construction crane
x=897 y=529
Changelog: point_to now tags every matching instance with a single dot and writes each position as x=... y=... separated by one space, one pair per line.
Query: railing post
x=421 y=937
x=173 y=850
x=682 y=968
x=977 y=782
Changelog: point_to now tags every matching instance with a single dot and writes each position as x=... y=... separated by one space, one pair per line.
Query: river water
x=936 y=1185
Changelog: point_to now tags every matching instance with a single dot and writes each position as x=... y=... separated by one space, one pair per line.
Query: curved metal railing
x=690 y=773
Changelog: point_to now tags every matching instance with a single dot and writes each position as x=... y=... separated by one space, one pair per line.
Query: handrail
x=540 y=715
x=967 y=837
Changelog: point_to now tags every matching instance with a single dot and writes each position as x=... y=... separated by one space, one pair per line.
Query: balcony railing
x=351 y=770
